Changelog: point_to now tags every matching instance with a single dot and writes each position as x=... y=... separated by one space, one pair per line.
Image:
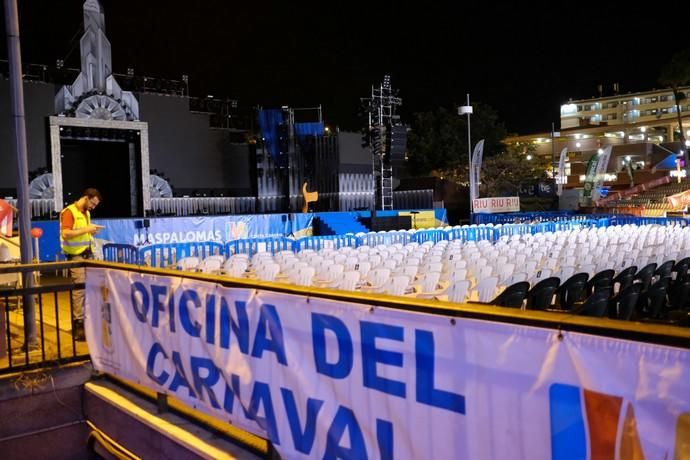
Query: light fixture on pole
x=467 y=110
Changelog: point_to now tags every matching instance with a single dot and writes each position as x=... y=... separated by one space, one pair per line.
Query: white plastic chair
x=349 y=280
x=377 y=279
x=268 y=272
x=457 y=292
x=486 y=289
x=190 y=263
x=397 y=285
x=427 y=287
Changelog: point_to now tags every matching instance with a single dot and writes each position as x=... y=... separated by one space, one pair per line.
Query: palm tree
x=676 y=74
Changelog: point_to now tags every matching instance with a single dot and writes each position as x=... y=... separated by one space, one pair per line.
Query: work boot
x=78 y=330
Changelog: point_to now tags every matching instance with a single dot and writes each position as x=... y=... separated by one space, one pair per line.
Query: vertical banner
x=600 y=172
x=561 y=170
x=589 y=178
x=475 y=172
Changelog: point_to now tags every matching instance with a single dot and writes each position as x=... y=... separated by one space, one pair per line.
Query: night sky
x=523 y=60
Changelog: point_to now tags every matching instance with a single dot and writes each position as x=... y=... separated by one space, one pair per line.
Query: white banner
x=602 y=168
x=562 y=179
x=476 y=169
x=327 y=379
x=496 y=204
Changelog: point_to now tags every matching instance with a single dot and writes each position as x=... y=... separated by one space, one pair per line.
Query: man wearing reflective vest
x=76 y=241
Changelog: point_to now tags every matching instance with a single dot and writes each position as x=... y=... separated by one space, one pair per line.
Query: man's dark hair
x=92 y=192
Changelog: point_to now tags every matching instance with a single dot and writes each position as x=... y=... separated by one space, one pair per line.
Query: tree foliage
x=503 y=174
x=676 y=73
x=437 y=141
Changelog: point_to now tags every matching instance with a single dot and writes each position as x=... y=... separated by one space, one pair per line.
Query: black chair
x=652 y=302
x=664 y=270
x=623 y=305
x=571 y=291
x=601 y=281
x=625 y=277
x=596 y=305
x=512 y=296
x=540 y=297
x=679 y=295
x=681 y=271
x=645 y=275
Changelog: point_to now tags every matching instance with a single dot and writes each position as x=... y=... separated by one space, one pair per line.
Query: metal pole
x=553 y=152
x=469 y=157
x=19 y=145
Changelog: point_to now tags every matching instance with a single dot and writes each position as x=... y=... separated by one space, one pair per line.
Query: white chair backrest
x=268 y=272
x=483 y=272
x=429 y=281
x=541 y=274
x=587 y=268
x=457 y=275
x=349 y=280
x=457 y=292
x=378 y=276
x=409 y=270
x=305 y=276
x=188 y=263
x=234 y=271
x=516 y=278
x=397 y=285
x=565 y=272
x=209 y=265
x=486 y=288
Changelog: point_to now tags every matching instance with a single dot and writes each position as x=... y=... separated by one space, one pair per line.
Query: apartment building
x=642 y=129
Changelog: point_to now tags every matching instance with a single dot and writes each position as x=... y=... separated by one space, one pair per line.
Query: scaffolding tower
x=381 y=107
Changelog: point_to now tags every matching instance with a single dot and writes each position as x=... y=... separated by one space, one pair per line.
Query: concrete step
x=41 y=414
x=136 y=426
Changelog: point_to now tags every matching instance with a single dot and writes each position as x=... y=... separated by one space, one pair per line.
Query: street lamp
x=467 y=110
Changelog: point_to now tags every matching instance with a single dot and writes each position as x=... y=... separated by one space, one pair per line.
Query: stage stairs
x=337 y=223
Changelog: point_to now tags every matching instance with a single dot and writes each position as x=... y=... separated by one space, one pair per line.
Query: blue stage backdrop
x=188 y=229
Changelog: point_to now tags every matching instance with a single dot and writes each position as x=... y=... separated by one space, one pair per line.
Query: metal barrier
x=163 y=255
x=252 y=246
x=326 y=241
x=49 y=339
x=123 y=253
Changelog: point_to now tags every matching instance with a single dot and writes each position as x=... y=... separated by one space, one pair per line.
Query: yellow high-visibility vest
x=78 y=244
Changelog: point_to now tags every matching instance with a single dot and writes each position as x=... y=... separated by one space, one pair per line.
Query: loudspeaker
x=397 y=138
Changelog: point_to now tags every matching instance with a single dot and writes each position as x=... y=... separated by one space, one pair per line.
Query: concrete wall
x=188 y=152
x=353 y=158
x=38 y=102
x=181 y=143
